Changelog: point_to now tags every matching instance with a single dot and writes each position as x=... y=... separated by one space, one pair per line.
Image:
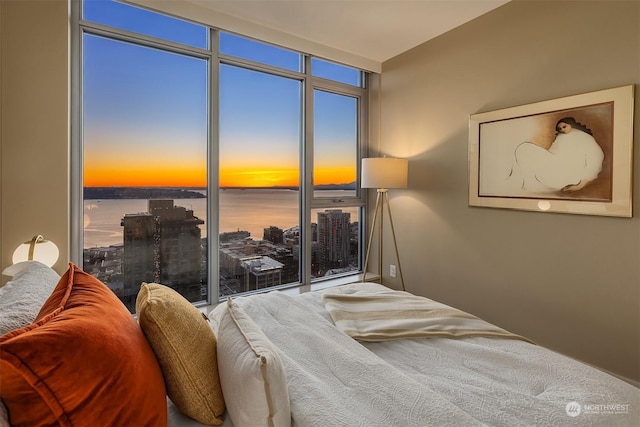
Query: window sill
x=301 y=289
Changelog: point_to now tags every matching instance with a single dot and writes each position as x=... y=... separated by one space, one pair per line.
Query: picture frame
x=567 y=155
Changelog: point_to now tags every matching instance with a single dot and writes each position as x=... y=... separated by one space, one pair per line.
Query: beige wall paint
x=569 y=282
x=34 y=113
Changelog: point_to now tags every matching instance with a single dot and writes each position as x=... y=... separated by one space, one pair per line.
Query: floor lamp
x=383 y=173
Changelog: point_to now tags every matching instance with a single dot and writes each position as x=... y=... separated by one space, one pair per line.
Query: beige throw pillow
x=251 y=371
x=185 y=347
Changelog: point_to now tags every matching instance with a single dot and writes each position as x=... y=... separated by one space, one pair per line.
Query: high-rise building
x=139 y=254
x=274 y=234
x=261 y=272
x=247 y=265
x=180 y=243
x=162 y=245
x=334 y=229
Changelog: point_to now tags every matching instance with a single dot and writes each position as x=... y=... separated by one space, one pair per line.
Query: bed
x=466 y=373
x=354 y=355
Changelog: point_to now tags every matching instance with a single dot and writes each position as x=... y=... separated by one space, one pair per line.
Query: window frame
x=359 y=200
x=307 y=201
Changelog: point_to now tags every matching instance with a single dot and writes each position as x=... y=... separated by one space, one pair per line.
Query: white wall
x=569 y=282
x=34 y=114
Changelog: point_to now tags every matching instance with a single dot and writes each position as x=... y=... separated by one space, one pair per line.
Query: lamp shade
x=37 y=249
x=384 y=172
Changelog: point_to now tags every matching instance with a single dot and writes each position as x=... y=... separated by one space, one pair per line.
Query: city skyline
x=164 y=242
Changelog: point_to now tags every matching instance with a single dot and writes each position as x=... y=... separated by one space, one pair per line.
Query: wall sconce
x=37 y=249
x=383 y=173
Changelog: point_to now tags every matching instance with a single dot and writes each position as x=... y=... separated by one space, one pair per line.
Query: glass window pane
x=145 y=168
x=335 y=144
x=336 y=72
x=260 y=131
x=130 y=18
x=260 y=52
x=335 y=241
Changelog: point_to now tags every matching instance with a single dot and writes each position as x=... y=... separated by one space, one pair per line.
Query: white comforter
x=336 y=381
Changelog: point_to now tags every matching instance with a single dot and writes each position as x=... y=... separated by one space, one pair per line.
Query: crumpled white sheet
x=336 y=381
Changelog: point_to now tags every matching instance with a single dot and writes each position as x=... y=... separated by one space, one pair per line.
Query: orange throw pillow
x=83 y=362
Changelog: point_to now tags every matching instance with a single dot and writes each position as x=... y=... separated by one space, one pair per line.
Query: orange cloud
x=336 y=175
x=121 y=177
x=258 y=177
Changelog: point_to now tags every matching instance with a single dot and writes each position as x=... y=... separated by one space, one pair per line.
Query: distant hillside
x=96 y=193
x=102 y=193
x=346 y=186
x=349 y=186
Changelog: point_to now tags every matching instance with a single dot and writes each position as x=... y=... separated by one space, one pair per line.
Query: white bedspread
x=335 y=381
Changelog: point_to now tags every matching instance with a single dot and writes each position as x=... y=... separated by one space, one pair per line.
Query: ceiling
x=374 y=29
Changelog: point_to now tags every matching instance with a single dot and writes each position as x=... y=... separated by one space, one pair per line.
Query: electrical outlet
x=392 y=270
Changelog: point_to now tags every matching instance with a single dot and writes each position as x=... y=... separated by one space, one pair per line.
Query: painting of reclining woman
x=556 y=155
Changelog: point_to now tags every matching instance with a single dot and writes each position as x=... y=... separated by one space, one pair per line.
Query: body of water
x=248 y=210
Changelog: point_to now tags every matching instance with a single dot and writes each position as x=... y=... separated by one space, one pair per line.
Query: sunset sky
x=145 y=118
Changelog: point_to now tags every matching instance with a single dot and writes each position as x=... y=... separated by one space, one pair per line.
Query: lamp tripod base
x=382 y=197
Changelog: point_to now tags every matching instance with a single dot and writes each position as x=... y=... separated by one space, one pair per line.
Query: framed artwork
x=569 y=155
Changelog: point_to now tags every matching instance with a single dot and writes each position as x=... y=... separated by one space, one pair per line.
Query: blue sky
x=145 y=110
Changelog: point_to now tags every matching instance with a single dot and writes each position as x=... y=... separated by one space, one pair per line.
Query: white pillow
x=22 y=297
x=253 y=380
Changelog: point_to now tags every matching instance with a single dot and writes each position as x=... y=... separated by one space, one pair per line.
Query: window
x=209 y=162
x=262 y=53
x=336 y=72
x=145 y=167
x=260 y=133
x=335 y=144
x=129 y=18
